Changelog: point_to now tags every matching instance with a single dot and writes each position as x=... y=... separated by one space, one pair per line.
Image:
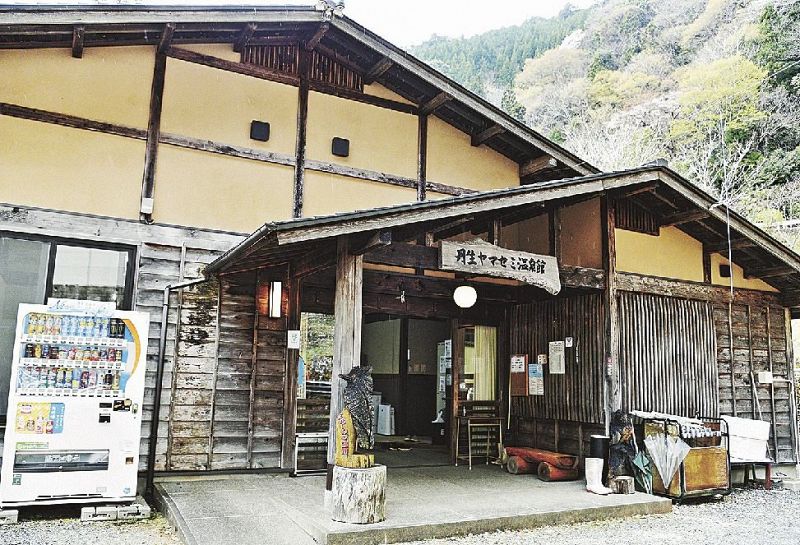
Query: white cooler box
x=385 y=419
x=748 y=439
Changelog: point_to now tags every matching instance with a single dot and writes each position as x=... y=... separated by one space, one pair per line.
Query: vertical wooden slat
x=212 y=403
x=253 y=371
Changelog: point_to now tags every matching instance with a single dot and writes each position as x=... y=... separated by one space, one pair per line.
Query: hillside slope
x=711 y=85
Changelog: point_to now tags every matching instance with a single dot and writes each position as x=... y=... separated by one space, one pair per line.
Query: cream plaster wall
x=56 y=167
x=328 y=193
x=110 y=84
x=453 y=160
x=380 y=139
x=194 y=188
x=212 y=104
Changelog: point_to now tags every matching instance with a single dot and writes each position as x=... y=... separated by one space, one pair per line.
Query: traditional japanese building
x=289 y=155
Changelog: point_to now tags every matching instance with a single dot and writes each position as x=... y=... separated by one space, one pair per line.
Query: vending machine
x=75 y=404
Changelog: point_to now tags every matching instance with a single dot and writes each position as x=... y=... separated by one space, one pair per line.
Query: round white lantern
x=465 y=296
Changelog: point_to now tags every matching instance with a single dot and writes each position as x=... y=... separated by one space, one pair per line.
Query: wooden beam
x=537 y=165
x=78 y=32
x=422 y=156
x=64 y=120
x=486 y=134
x=341 y=59
x=414 y=256
x=318 y=35
x=153 y=131
x=362 y=174
x=245 y=69
x=293 y=314
x=769 y=272
x=706 y=265
x=365 y=98
x=347 y=331
x=692 y=290
x=314 y=262
x=300 y=144
x=735 y=244
x=685 y=216
x=43 y=116
x=612 y=385
x=166 y=37
x=377 y=70
x=430 y=106
x=246 y=35
x=372 y=241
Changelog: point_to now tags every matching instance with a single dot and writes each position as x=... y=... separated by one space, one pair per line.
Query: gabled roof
x=344 y=40
x=662 y=191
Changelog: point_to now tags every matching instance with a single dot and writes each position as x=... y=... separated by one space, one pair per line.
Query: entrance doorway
x=409 y=376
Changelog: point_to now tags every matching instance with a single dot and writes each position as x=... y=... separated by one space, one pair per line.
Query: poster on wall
x=535 y=379
x=556 y=357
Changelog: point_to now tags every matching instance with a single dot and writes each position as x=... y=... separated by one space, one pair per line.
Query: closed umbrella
x=667 y=453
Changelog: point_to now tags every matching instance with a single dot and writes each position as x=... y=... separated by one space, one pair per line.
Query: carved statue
x=354 y=438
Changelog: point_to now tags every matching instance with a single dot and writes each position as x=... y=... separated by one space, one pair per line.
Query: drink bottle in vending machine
x=75 y=404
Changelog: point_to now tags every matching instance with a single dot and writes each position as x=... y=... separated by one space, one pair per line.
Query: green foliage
x=510 y=104
x=498 y=55
x=724 y=92
x=778 y=44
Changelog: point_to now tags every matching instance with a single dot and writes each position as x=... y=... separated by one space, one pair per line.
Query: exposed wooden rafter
x=362 y=245
x=430 y=106
x=377 y=70
x=318 y=35
x=77 y=41
x=686 y=216
x=770 y=272
x=153 y=131
x=537 y=165
x=735 y=244
x=247 y=34
x=486 y=134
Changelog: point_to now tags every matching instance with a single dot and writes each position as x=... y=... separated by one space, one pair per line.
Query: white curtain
x=485 y=363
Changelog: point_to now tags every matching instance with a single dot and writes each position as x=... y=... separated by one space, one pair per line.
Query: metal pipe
x=162 y=345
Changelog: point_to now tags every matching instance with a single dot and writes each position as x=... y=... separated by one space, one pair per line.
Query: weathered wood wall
x=571 y=408
x=759 y=343
x=667 y=355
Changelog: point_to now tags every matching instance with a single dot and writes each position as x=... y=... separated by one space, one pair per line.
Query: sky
x=405 y=22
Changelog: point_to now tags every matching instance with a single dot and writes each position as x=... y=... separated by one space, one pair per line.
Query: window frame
x=54 y=242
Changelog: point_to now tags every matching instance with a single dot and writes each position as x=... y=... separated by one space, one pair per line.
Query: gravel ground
x=745 y=517
x=62 y=526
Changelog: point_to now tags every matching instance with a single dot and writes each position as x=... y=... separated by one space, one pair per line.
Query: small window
x=89 y=273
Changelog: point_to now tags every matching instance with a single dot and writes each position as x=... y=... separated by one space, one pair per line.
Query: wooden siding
x=555 y=435
x=667 y=355
x=632 y=217
x=577 y=395
x=759 y=334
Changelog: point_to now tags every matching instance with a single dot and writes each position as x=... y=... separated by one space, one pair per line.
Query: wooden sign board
x=484 y=259
x=519 y=378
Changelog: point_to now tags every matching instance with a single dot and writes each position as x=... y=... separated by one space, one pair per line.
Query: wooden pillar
x=347 y=330
x=293 y=311
x=612 y=389
x=153 y=131
x=554 y=221
x=792 y=386
x=422 y=156
x=706 y=265
x=300 y=145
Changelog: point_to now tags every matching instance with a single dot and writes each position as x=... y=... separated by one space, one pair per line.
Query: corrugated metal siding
x=667 y=355
x=576 y=395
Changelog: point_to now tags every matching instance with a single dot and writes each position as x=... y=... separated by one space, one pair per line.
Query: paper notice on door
x=535 y=379
x=556 y=357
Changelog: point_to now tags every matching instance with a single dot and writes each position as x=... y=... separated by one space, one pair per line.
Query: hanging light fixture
x=465 y=296
x=275 y=296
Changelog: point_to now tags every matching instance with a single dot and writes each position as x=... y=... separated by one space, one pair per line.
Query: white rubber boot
x=594 y=473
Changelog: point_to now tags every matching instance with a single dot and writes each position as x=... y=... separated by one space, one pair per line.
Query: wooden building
x=152 y=141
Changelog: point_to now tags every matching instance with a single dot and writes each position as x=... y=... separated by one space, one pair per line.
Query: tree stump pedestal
x=358 y=496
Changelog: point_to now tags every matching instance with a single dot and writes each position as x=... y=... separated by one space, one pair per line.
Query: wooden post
x=790 y=368
x=346 y=333
x=153 y=130
x=302 y=121
x=613 y=394
x=290 y=383
x=422 y=156
x=706 y=265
